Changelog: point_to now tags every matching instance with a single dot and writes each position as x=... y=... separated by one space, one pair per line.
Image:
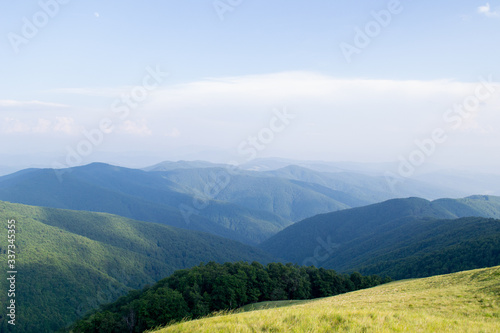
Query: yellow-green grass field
x=462 y=302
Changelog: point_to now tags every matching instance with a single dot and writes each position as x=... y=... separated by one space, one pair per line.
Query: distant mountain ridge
x=169 y=165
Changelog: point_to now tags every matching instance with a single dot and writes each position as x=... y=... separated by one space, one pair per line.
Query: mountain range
x=243 y=205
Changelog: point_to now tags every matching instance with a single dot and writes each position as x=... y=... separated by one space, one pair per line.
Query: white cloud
x=292 y=86
x=240 y=101
x=486 y=10
x=342 y=118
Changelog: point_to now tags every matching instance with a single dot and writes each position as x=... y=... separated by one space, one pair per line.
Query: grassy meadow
x=461 y=302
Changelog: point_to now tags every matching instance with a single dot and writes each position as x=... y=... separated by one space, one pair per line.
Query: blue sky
x=231 y=64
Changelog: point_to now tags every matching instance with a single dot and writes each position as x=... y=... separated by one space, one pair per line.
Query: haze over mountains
x=240 y=204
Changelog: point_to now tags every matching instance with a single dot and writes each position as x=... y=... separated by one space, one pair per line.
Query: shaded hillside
x=423 y=248
x=299 y=241
x=392 y=230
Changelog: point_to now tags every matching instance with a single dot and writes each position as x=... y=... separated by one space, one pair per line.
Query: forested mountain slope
x=69 y=262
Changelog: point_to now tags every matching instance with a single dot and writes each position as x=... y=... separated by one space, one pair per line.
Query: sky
x=138 y=82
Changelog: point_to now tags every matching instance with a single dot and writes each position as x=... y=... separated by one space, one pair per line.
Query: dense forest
x=207 y=288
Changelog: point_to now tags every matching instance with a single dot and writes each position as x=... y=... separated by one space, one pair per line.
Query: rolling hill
x=462 y=302
x=69 y=262
x=384 y=238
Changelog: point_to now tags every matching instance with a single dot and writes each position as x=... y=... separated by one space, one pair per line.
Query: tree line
x=207 y=288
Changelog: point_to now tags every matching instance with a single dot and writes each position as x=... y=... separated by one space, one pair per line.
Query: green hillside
x=377 y=238
x=71 y=261
x=461 y=302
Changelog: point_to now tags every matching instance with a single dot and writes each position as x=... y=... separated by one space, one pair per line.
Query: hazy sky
x=340 y=80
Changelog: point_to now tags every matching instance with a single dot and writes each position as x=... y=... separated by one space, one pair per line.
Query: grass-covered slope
x=461 y=302
x=399 y=232
x=71 y=261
